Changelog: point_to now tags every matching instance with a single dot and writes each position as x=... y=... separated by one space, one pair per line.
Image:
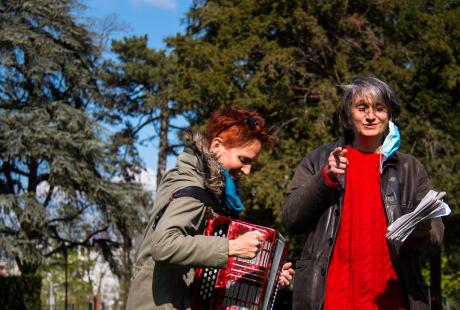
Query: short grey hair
x=363 y=86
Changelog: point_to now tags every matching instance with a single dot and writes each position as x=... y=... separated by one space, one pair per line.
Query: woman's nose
x=370 y=114
x=246 y=169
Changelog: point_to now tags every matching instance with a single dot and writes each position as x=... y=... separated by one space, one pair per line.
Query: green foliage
x=451 y=261
x=451 y=282
x=60 y=187
x=139 y=85
x=20 y=292
x=79 y=279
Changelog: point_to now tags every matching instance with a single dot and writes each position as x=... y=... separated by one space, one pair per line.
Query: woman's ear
x=216 y=145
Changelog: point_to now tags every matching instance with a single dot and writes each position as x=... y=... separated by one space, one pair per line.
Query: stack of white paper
x=431 y=206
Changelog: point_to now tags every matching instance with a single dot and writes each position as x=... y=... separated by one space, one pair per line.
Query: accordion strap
x=196 y=192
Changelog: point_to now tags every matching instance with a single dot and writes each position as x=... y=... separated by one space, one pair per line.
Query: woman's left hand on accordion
x=286 y=275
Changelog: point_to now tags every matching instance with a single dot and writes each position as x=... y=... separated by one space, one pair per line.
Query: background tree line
x=60 y=170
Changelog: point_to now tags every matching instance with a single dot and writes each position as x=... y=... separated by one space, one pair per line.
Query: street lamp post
x=66 y=284
x=53 y=286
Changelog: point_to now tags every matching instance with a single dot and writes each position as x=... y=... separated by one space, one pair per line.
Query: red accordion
x=244 y=283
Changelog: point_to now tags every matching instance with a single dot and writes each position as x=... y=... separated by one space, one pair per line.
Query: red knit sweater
x=360 y=274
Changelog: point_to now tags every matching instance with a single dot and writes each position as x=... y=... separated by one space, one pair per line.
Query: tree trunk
x=164 y=146
x=27 y=267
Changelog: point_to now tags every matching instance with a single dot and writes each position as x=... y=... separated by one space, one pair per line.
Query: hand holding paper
x=430 y=207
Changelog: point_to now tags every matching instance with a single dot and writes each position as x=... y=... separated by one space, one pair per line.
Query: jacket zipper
x=342 y=197
x=393 y=252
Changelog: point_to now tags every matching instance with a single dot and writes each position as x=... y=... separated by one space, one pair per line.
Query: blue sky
x=156 y=18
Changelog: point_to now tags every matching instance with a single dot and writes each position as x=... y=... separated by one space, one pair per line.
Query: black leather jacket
x=314 y=209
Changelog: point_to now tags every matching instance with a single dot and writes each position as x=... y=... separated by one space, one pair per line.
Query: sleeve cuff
x=328 y=181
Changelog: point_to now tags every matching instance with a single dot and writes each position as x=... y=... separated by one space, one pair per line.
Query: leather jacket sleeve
x=436 y=234
x=308 y=195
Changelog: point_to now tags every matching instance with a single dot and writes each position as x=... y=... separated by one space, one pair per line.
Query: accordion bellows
x=244 y=283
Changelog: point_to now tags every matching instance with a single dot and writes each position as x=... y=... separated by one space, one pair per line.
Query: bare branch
x=68 y=218
x=149 y=121
x=67 y=243
x=48 y=196
x=177 y=127
x=284 y=124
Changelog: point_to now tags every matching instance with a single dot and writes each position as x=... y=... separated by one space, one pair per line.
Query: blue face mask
x=230 y=198
x=391 y=143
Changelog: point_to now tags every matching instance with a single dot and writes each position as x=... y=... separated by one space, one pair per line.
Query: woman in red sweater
x=344 y=195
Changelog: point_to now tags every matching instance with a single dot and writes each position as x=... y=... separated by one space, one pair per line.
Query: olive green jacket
x=164 y=268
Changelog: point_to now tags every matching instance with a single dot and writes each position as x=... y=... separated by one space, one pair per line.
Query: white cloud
x=164 y=4
x=148 y=179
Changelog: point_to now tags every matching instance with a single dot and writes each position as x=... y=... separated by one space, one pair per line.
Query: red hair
x=238 y=127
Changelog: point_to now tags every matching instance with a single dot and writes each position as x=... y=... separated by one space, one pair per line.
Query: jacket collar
x=390 y=162
x=205 y=163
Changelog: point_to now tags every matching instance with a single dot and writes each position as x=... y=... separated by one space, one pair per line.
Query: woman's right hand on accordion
x=287 y=273
x=247 y=245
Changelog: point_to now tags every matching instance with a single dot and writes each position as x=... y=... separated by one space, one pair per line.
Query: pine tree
x=139 y=84
x=60 y=186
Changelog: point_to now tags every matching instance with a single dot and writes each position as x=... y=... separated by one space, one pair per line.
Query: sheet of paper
x=431 y=206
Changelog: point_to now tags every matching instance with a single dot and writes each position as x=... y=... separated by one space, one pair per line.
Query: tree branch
x=177 y=127
x=149 y=121
x=72 y=243
x=68 y=218
x=48 y=196
x=284 y=124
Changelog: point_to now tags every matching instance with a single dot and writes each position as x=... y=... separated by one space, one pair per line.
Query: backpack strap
x=196 y=192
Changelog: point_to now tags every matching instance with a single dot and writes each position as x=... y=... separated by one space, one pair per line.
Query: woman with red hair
x=174 y=243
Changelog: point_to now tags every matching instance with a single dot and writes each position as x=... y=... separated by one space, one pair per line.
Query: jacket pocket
x=138 y=267
x=300 y=264
x=305 y=293
x=136 y=270
x=407 y=207
x=140 y=291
